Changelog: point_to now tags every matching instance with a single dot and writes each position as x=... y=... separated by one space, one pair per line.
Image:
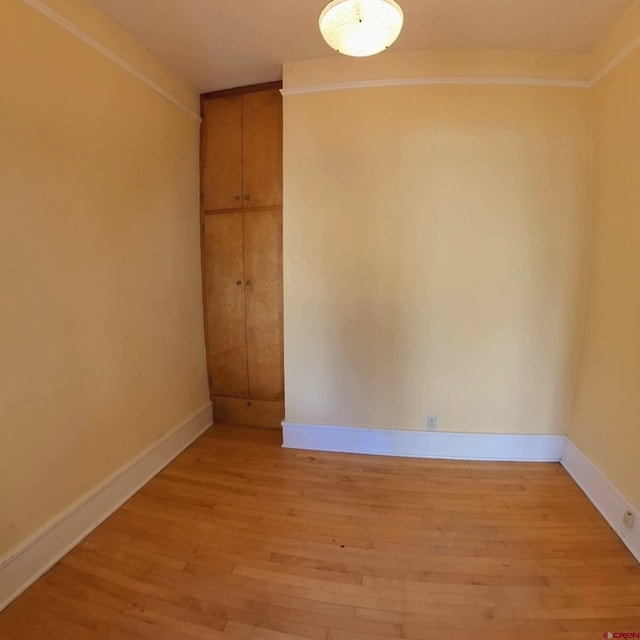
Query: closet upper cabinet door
x=222 y=153
x=225 y=300
x=263 y=273
x=262 y=144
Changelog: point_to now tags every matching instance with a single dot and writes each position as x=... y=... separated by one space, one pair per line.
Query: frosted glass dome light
x=361 y=27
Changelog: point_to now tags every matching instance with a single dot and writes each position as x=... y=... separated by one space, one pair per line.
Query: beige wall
x=101 y=338
x=434 y=255
x=90 y=20
x=606 y=421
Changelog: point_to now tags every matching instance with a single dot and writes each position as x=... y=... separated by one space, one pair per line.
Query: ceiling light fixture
x=361 y=27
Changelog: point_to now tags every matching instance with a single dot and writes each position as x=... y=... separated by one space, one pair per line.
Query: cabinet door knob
x=239 y=282
x=248 y=283
x=237 y=198
x=247 y=197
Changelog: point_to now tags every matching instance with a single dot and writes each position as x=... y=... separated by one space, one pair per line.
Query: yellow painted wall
x=606 y=421
x=101 y=337
x=90 y=20
x=434 y=255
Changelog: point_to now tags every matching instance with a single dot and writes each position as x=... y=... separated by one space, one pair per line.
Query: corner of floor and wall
x=603 y=446
x=461 y=251
x=506 y=307
x=102 y=371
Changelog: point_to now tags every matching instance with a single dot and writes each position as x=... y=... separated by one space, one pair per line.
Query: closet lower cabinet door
x=263 y=275
x=225 y=301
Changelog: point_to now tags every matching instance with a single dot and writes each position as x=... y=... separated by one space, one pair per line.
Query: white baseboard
x=423 y=444
x=605 y=497
x=24 y=565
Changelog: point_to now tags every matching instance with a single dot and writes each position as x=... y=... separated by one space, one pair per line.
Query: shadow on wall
x=434 y=261
x=371 y=355
x=368 y=328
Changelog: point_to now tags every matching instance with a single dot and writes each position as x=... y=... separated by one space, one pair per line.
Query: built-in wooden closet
x=242 y=253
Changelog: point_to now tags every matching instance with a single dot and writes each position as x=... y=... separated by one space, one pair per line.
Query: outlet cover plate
x=628 y=520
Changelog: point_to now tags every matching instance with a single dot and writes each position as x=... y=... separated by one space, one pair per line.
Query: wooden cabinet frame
x=241 y=222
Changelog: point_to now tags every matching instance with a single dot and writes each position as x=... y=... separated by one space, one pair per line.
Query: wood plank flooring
x=238 y=538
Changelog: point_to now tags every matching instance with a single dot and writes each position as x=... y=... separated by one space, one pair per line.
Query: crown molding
x=439 y=81
x=472 y=80
x=45 y=10
x=615 y=61
x=60 y=20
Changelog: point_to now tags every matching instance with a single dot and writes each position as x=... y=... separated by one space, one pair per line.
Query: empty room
x=320 y=320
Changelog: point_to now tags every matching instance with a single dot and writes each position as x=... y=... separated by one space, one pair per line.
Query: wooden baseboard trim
x=606 y=498
x=25 y=564
x=423 y=444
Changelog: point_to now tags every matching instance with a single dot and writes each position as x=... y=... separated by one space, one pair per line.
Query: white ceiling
x=218 y=44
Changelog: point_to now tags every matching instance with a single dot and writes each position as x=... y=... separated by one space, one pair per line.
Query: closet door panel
x=222 y=154
x=225 y=302
x=262 y=144
x=263 y=275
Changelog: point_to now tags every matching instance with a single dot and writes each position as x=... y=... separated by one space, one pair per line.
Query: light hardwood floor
x=238 y=538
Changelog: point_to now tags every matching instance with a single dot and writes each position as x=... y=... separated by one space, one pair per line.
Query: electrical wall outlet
x=432 y=423
x=628 y=519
